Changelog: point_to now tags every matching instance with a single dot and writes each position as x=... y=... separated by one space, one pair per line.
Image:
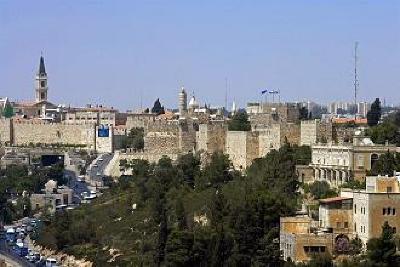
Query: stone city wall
x=269 y=139
x=26 y=132
x=140 y=120
x=211 y=138
x=170 y=137
x=5 y=131
x=242 y=148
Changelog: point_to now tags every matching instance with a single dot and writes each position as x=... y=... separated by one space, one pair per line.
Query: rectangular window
x=355 y=227
x=384 y=211
x=388 y=211
x=394 y=211
x=346 y=224
x=355 y=209
x=338 y=224
x=394 y=230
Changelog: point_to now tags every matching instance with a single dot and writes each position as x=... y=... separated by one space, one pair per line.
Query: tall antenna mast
x=355 y=80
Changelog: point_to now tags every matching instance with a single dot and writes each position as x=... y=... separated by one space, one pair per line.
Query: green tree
x=239 y=122
x=382 y=250
x=179 y=249
x=374 y=115
x=321 y=189
x=386 y=165
x=303 y=113
x=189 y=166
x=8 y=111
x=157 y=108
x=216 y=172
x=320 y=260
x=384 y=132
x=135 y=138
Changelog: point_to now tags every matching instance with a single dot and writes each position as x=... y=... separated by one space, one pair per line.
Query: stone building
x=5 y=131
x=337 y=164
x=315 y=131
x=170 y=136
x=98 y=115
x=360 y=212
x=299 y=239
x=182 y=102
x=37 y=108
x=268 y=113
x=139 y=120
x=242 y=148
x=14 y=158
x=336 y=213
x=53 y=197
x=211 y=137
x=372 y=207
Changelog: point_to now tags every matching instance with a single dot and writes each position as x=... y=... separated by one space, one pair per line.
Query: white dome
x=193 y=103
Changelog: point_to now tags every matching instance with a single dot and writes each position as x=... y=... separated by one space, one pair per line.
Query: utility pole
x=355 y=80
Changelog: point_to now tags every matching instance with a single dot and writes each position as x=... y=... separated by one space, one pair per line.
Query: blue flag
x=264 y=91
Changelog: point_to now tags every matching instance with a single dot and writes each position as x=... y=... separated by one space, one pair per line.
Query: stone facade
x=242 y=148
x=211 y=137
x=267 y=113
x=27 y=132
x=298 y=243
x=272 y=137
x=337 y=164
x=170 y=137
x=372 y=207
x=315 y=131
x=5 y=131
x=139 y=120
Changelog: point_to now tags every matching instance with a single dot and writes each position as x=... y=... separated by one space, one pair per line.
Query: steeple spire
x=42 y=69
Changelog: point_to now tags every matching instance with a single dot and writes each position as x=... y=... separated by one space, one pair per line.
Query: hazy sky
x=112 y=52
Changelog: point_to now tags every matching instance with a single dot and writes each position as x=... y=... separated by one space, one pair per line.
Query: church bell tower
x=41 y=83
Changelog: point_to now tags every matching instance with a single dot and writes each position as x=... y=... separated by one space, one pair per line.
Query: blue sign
x=103 y=131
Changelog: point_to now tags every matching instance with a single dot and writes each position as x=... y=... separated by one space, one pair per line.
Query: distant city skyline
x=113 y=53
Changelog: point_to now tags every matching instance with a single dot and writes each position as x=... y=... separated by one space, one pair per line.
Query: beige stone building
x=53 y=197
x=355 y=213
x=377 y=204
x=315 y=131
x=242 y=148
x=299 y=240
x=336 y=164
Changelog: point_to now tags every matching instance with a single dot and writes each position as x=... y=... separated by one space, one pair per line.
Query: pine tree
x=374 y=115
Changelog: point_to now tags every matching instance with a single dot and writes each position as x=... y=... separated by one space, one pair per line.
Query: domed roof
x=193 y=103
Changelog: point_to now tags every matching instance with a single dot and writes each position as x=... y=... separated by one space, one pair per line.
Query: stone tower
x=182 y=101
x=41 y=83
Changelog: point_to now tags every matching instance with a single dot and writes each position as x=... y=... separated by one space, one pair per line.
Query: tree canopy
x=157 y=107
x=239 y=122
x=374 y=114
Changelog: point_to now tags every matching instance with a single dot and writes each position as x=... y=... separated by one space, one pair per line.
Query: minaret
x=182 y=101
x=41 y=83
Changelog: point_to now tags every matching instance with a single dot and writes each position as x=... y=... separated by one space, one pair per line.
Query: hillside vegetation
x=184 y=216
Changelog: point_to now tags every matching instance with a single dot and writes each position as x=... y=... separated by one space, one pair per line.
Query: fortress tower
x=41 y=83
x=182 y=101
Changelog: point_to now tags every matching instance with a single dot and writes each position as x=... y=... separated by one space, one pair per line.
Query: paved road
x=6 y=251
x=77 y=186
x=97 y=172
